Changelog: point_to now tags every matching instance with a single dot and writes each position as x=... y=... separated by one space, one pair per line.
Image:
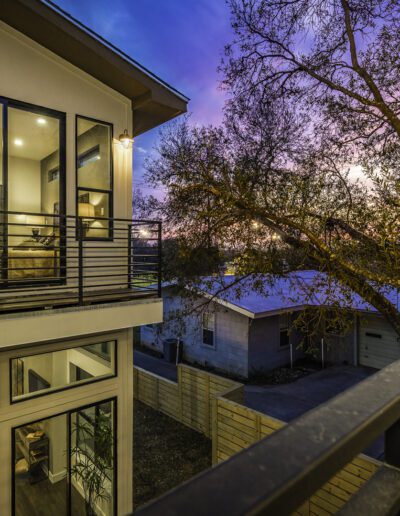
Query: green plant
x=92 y=457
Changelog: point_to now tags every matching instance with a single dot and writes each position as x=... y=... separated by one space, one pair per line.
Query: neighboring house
x=254 y=332
x=71 y=282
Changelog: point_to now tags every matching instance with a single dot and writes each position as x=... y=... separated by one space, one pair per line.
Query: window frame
x=203 y=328
x=284 y=328
x=68 y=413
x=109 y=192
x=67 y=387
x=7 y=102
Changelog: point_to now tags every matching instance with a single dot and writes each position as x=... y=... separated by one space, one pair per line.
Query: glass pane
x=36 y=374
x=33 y=191
x=90 y=206
x=40 y=468
x=93 y=154
x=92 y=459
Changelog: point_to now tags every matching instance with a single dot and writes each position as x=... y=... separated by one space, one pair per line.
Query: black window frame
x=7 y=102
x=109 y=192
x=206 y=332
x=69 y=413
x=67 y=387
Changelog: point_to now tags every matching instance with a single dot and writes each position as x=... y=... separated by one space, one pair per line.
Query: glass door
x=33 y=194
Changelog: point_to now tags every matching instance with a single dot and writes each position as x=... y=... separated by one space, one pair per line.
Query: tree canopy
x=304 y=171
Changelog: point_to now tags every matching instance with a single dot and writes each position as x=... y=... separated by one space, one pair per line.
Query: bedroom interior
x=32 y=186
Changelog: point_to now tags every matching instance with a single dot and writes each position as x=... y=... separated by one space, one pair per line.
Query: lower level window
x=33 y=375
x=65 y=465
x=208 y=329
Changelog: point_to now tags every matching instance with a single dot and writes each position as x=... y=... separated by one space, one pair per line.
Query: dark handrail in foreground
x=276 y=475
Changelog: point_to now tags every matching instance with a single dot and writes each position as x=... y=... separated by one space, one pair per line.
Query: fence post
x=207 y=406
x=80 y=260
x=214 y=429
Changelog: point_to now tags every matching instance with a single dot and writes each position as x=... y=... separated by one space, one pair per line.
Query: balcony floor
x=14 y=303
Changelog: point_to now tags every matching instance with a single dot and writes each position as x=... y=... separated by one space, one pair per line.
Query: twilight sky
x=181 y=41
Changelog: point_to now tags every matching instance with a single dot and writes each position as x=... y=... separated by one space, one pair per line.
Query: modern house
x=255 y=331
x=77 y=274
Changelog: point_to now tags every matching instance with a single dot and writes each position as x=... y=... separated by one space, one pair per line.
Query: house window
x=65 y=464
x=32 y=179
x=284 y=330
x=45 y=373
x=208 y=329
x=94 y=177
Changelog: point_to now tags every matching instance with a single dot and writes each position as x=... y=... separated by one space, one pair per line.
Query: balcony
x=53 y=261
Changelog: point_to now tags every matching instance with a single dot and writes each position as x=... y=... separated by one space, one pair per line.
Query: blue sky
x=182 y=41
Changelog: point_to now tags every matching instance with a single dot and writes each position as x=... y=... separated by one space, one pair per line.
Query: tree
x=313 y=93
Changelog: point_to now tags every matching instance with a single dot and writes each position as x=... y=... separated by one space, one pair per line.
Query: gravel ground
x=166 y=453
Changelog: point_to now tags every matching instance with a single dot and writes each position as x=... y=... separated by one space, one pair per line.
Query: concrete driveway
x=290 y=400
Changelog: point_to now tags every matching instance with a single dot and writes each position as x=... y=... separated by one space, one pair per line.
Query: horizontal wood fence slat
x=214 y=406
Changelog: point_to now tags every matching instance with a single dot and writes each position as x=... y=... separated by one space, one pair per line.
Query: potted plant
x=92 y=457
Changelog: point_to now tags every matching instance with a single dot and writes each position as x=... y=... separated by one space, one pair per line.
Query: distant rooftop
x=276 y=294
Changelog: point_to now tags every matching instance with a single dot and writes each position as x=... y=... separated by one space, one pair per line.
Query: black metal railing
x=52 y=260
x=279 y=473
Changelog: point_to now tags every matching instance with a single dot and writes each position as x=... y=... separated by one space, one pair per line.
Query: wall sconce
x=125 y=139
x=86 y=212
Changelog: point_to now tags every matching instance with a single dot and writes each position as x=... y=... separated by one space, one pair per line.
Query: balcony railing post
x=392 y=445
x=159 y=259
x=130 y=256
x=81 y=230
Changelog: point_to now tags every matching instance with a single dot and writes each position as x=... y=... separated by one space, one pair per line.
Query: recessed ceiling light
x=18 y=142
x=41 y=121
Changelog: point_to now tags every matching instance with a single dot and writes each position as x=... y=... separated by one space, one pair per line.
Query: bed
x=32 y=259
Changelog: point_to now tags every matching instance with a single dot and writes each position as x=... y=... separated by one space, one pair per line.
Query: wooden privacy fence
x=214 y=406
x=189 y=400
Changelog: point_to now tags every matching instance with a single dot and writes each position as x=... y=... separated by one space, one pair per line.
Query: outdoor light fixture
x=125 y=139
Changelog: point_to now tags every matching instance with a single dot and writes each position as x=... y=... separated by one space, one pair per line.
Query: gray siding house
x=254 y=332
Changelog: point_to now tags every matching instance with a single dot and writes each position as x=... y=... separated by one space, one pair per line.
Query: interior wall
x=50 y=190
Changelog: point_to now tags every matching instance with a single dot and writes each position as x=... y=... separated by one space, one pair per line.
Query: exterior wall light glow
x=18 y=142
x=125 y=139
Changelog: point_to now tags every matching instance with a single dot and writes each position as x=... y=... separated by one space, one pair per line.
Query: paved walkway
x=155 y=365
x=286 y=401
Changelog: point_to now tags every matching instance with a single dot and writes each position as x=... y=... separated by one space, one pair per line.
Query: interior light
x=41 y=121
x=18 y=142
x=125 y=139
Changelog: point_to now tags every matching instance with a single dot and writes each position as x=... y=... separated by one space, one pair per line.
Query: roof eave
x=60 y=35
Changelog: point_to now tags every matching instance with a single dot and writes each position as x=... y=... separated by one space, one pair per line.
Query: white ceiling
x=38 y=140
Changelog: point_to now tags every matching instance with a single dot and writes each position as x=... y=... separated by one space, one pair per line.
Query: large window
x=94 y=177
x=32 y=186
x=43 y=373
x=65 y=465
x=208 y=329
